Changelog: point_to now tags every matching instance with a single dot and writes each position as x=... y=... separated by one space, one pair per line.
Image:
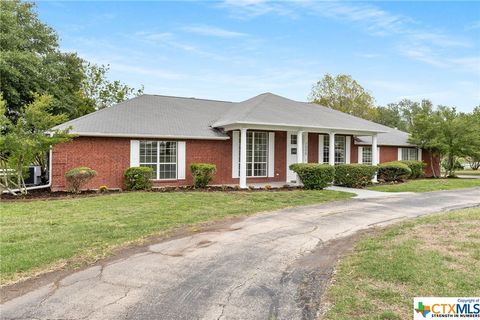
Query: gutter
x=48 y=185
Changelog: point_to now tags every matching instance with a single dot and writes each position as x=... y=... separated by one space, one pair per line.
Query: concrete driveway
x=269 y=266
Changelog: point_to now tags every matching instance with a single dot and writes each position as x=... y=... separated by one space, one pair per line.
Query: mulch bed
x=46 y=194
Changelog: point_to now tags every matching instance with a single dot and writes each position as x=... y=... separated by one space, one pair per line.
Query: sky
x=234 y=50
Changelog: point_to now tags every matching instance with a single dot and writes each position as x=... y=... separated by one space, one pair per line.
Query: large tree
x=343 y=93
x=400 y=114
x=424 y=133
x=446 y=132
x=101 y=92
x=30 y=62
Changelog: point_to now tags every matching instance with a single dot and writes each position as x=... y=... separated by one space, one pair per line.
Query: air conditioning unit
x=34 y=176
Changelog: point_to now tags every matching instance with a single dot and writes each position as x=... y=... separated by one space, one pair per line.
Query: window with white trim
x=161 y=156
x=340 y=149
x=257 y=154
x=367 y=155
x=409 y=154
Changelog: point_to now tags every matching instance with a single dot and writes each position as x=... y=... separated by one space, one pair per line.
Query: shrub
x=456 y=165
x=103 y=189
x=393 y=171
x=416 y=166
x=138 y=178
x=354 y=175
x=202 y=173
x=313 y=175
x=78 y=177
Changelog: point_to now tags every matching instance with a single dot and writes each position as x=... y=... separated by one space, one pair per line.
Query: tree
x=390 y=116
x=102 y=93
x=400 y=114
x=424 y=133
x=473 y=155
x=30 y=62
x=344 y=94
x=27 y=138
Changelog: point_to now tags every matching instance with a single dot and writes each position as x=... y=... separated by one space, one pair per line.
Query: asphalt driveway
x=269 y=266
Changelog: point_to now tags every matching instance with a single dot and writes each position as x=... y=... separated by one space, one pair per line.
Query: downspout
x=48 y=185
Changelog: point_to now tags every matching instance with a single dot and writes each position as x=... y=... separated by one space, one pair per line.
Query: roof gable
x=268 y=108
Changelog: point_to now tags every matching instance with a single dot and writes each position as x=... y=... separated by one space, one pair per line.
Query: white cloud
x=411 y=39
x=213 y=31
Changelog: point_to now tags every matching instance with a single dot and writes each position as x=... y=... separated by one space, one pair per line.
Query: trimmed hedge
x=202 y=173
x=393 y=171
x=138 y=178
x=416 y=166
x=314 y=175
x=78 y=177
x=354 y=175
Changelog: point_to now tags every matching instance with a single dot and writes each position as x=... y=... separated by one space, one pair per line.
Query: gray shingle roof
x=153 y=116
x=176 y=117
x=393 y=137
x=271 y=109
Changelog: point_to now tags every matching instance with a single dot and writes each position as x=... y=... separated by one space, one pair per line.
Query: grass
x=425 y=185
x=437 y=255
x=37 y=236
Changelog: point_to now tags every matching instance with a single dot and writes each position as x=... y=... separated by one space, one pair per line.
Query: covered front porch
x=255 y=151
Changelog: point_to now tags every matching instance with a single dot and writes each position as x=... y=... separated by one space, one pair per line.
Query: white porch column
x=243 y=158
x=300 y=147
x=331 y=148
x=374 y=154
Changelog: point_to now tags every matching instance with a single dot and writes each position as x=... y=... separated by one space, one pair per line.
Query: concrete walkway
x=368 y=194
x=468 y=177
x=267 y=266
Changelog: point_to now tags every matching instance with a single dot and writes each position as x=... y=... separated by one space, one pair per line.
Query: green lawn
x=43 y=235
x=425 y=185
x=437 y=255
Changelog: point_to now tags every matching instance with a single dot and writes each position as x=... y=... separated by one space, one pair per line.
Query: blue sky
x=233 y=50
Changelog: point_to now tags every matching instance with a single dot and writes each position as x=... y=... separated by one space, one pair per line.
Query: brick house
x=252 y=141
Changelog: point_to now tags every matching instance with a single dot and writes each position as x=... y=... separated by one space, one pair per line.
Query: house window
x=340 y=149
x=257 y=154
x=367 y=155
x=326 y=143
x=409 y=154
x=161 y=156
x=293 y=139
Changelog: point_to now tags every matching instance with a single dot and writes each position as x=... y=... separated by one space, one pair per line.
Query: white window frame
x=410 y=153
x=252 y=161
x=365 y=149
x=158 y=163
x=324 y=145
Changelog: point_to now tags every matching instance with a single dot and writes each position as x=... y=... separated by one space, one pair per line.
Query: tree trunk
x=432 y=167
x=451 y=164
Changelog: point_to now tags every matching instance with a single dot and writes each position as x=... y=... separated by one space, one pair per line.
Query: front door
x=292 y=153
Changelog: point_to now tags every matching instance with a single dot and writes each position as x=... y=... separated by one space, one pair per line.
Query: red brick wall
x=390 y=153
x=110 y=157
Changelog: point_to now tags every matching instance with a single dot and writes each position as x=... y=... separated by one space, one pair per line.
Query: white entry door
x=292 y=149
